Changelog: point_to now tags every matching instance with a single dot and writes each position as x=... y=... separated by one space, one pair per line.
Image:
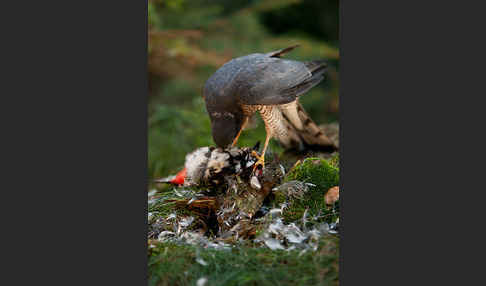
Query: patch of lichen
x=334 y=161
x=324 y=176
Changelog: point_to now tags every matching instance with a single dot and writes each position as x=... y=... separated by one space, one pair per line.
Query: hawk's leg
x=261 y=159
x=245 y=121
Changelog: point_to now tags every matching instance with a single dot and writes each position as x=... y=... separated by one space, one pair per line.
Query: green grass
x=172 y=264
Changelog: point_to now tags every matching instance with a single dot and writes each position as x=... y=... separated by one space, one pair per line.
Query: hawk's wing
x=279 y=53
x=272 y=81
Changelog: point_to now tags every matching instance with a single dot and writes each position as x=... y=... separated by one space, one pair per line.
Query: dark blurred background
x=191 y=39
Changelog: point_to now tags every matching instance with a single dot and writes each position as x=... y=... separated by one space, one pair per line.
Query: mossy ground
x=323 y=175
x=172 y=264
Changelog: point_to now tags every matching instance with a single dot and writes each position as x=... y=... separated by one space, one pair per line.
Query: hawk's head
x=225 y=126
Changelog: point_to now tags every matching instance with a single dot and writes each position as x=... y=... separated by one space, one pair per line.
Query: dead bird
x=210 y=165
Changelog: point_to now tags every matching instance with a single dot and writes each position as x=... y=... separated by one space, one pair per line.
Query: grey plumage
x=270 y=85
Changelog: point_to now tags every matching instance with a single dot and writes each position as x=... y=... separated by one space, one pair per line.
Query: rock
x=332 y=195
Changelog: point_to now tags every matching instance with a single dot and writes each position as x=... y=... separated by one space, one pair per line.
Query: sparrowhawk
x=272 y=86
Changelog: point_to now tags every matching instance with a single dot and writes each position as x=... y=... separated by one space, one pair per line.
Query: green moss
x=320 y=173
x=172 y=264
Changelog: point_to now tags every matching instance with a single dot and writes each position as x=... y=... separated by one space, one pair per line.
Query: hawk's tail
x=301 y=130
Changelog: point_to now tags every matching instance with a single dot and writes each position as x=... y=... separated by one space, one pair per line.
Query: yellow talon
x=261 y=160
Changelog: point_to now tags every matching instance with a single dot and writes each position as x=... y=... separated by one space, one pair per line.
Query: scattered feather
x=255 y=183
x=185 y=222
x=273 y=244
x=202 y=281
x=293 y=189
x=172 y=216
x=201 y=261
x=164 y=234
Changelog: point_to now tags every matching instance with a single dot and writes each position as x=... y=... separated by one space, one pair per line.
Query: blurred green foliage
x=190 y=40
